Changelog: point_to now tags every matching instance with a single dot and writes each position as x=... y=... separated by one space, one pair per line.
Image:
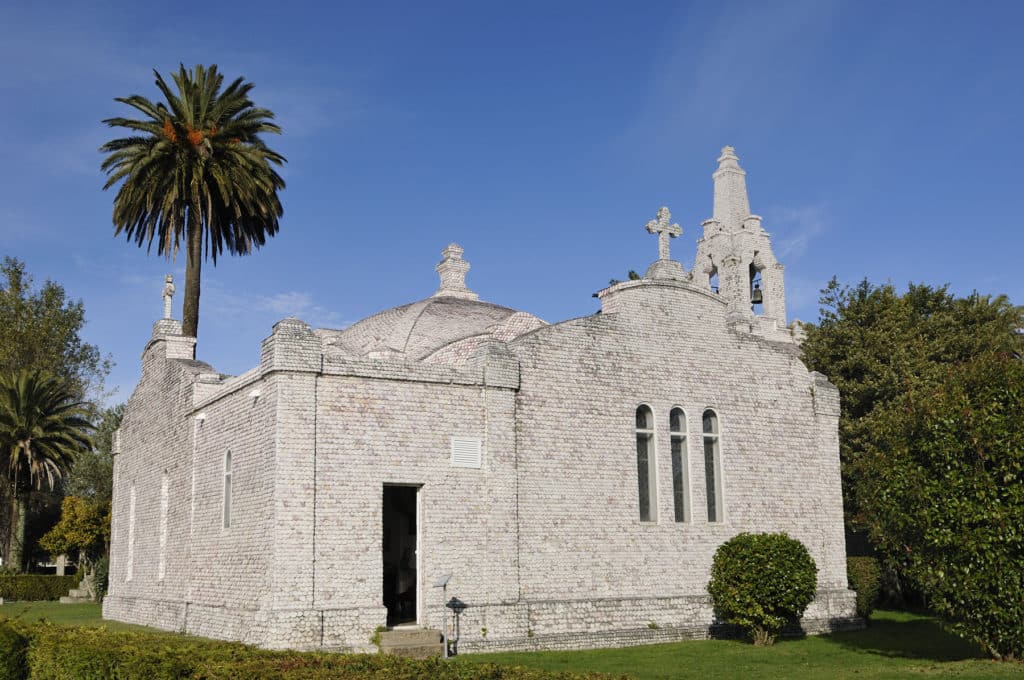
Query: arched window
x=161 y=569
x=680 y=465
x=645 y=472
x=712 y=466
x=129 y=570
x=227 y=490
x=756 y=290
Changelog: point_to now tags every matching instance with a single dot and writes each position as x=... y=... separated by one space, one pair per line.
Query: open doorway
x=400 y=554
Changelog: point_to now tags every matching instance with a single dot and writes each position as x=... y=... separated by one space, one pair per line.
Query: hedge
x=865 y=577
x=25 y=587
x=69 y=653
x=13 y=645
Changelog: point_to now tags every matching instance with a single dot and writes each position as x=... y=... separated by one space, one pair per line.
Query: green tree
x=83 y=529
x=92 y=475
x=40 y=330
x=43 y=426
x=950 y=508
x=875 y=344
x=195 y=170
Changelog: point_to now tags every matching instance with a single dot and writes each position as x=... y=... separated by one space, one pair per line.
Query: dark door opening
x=399 y=553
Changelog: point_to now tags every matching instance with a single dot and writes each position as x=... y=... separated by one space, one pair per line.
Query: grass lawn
x=89 y=614
x=895 y=645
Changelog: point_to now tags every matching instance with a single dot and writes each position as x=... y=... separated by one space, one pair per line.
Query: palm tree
x=195 y=170
x=43 y=427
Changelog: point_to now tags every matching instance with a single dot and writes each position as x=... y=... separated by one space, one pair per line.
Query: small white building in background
x=574 y=479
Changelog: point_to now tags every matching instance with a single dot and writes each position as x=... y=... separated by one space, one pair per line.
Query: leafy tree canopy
x=950 y=508
x=83 y=529
x=195 y=170
x=40 y=330
x=43 y=427
x=875 y=344
x=932 y=443
x=92 y=475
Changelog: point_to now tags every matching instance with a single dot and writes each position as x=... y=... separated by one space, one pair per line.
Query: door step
x=416 y=643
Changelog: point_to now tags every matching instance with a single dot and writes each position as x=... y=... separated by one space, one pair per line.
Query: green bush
x=865 y=577
x=63 y=653
x=949 y=512
x=102 y=573
x=25 y=587
x=761 y=582
x=13 y=645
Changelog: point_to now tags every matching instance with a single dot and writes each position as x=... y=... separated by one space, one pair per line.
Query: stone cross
x=664 y=230
x=168 y=294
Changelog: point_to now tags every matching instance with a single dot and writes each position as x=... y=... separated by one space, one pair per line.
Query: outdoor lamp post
x=457 y=606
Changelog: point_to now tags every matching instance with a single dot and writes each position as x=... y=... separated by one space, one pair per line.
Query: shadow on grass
x=907 y=636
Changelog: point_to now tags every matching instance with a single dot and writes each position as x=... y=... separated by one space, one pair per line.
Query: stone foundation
x=523 y=626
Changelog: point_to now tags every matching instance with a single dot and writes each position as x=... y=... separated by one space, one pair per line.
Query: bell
x=755 y=295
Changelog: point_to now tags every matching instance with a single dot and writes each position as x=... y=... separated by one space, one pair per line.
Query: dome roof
x=452 y=318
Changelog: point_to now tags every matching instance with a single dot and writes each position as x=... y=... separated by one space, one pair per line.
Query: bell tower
x=734 y=256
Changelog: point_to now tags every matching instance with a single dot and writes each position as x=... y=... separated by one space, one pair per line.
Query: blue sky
x=881 y=140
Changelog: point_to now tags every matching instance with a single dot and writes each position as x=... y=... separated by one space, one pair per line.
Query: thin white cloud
x=217 y=301
x=793 y=229
x=802 y=298
x=15 y=226
x=711 y=74
x=300 y=305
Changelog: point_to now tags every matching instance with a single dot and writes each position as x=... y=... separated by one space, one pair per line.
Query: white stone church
x=572 y=480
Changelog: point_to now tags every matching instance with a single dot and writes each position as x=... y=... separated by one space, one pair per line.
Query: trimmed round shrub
x=865 y=577
x=761 y=582
x=13 y=645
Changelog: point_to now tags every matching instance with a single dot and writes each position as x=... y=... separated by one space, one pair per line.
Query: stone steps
x=83 y=593
x=414 y=643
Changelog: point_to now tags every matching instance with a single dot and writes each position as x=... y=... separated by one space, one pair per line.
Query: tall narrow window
x=645 y=473
x=227 y=490
x=161 y=568
x=680 y=465
x=129 y=570
x=712 y=466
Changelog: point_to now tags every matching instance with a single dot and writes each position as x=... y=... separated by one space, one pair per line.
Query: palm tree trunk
x=193 y=266
x=16 y=555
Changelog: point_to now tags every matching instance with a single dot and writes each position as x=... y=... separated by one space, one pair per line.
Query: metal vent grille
x=466 y=452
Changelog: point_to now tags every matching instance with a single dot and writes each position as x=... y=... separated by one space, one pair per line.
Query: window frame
x=129 y=570
x=680 y=465
x=227 y=495
x=165 y=486
x=716 y=482
x=649 y=436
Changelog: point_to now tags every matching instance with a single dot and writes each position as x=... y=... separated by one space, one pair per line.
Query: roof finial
x=452 y=269
x=731 y=204
x=168 y=295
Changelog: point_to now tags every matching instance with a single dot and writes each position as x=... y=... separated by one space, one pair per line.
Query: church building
x=569 y=482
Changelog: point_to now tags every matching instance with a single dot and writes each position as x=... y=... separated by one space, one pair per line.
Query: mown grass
x=87 y=614
x=895 y=645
